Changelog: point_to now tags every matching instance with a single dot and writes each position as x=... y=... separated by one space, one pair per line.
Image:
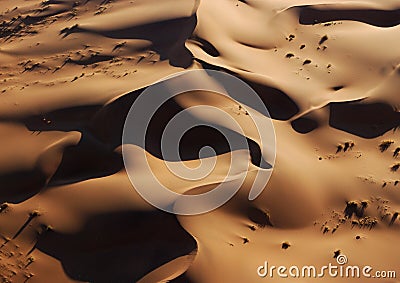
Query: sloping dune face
x=328 y=73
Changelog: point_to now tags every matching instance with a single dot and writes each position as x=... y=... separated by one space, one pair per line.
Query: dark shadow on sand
x=367 y=120
x=380 y=18
x=120 y=247
x=168 y=37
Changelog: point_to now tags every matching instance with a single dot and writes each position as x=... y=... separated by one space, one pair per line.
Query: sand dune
x=329 y=74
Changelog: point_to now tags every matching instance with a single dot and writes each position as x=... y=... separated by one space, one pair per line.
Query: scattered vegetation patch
x=395 y=167
x=4 y=207
x=323 y=39
x=396 y=152
x=385 y=145
x=336 y=88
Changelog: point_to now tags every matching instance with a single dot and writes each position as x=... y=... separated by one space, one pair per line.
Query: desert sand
x=328 y=72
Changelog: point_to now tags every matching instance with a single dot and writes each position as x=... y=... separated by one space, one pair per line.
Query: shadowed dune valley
x=199 y=141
